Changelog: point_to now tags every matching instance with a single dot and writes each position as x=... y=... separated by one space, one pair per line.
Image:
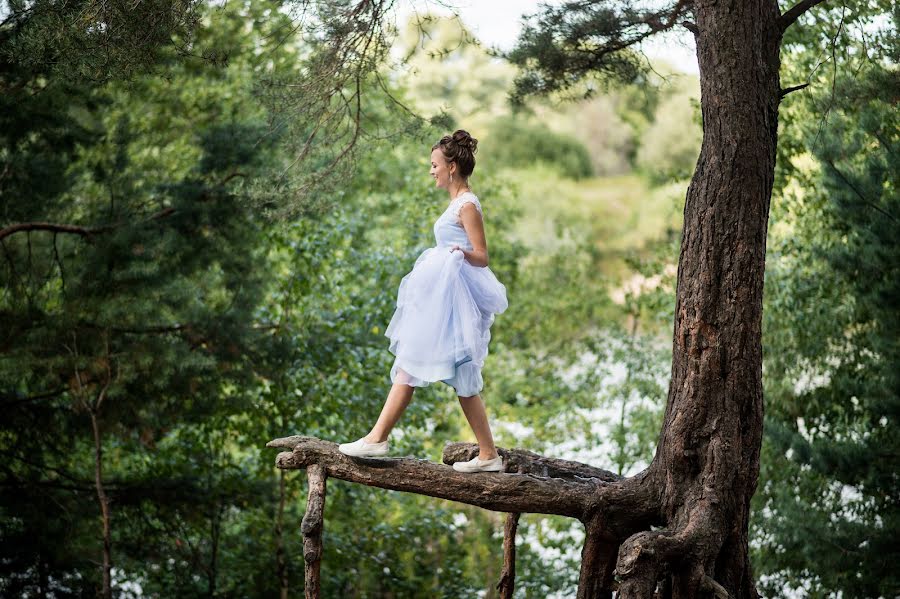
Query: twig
x=786 y=90
x=788 y=18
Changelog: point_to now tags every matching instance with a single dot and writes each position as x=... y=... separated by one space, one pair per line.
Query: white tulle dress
x=445 y=307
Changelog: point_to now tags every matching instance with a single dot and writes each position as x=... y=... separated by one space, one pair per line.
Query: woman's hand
x=473 y=257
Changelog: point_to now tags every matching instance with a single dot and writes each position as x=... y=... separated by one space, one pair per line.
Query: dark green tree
x=828 y=510
x=131 y=276
x=157 y=329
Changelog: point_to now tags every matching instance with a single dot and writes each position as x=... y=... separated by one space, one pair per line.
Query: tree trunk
x=707 y=460
x=103 y=500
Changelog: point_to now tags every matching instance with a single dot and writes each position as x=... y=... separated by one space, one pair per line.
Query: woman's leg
x=397 y=400
x=473 y=407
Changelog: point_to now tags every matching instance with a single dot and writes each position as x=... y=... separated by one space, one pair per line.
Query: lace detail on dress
x=466 y=198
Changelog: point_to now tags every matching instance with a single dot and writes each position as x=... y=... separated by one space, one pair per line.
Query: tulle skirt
x=441 y=328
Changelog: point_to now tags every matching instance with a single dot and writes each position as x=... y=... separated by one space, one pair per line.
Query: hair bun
x=463 y=139
x=459 y=148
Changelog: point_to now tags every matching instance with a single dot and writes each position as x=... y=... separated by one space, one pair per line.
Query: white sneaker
x=362 y=448
x=478 y=465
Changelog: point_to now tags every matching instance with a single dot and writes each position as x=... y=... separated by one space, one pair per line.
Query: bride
x=445 y=307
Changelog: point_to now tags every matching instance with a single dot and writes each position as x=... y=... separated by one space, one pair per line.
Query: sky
x=498 y=22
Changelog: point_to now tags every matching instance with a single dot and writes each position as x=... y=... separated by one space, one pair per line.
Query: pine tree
x=827 y=514
x=132 y=274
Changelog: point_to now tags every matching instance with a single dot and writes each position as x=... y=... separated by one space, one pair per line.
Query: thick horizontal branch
x=626 y=501
x=630 y=505
x=791 y=15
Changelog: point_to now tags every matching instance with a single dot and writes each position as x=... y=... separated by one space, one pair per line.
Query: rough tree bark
x=707 y=460
x=678 y=529
x=311 y=526
x=508 y=573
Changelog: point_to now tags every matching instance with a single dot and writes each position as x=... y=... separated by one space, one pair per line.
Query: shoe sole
x=500 y=469
x=365 y=455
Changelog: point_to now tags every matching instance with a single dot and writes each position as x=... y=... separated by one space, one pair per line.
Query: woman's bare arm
x=474 y=226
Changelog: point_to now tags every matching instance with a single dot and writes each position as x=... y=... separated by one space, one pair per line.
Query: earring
x=451 y=178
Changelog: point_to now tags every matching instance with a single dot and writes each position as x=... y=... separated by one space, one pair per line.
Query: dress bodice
x=448 y=230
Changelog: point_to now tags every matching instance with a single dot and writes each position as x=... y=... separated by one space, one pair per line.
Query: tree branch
x=10 y=400
x=856 y=190
x=786 y=90
x=788 y=18
x=507 y=582
x=56 y=228
x=311 y=527
x=579 y=39
x=76 y=229
x=627 y=503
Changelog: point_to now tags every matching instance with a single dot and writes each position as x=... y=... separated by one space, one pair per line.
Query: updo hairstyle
x=459 y=148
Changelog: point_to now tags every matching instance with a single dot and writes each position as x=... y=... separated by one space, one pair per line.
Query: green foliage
x=514 y=143
x=670 y=144
x=552 y=48
x=225 y=330
x=601 y=125
x=56 y=38
x=651 y=125
x=826 y=515
x=446 y=71
x=154 y=307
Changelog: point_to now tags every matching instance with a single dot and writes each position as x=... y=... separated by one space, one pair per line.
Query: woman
x=445 y=307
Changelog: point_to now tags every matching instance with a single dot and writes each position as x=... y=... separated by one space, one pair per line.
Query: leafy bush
x=512 y=142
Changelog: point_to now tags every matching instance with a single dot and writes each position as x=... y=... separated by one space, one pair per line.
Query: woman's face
x=440 y=168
